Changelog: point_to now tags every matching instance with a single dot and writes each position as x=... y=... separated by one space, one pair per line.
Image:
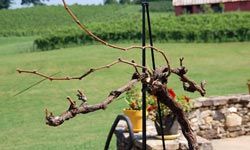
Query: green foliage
x=212 y=8
x=124 y=1
x=161 y=6
x=5 y=4
x=207 y=8
x=35 y=2
x=222 y=7
x=134 y=98
x=184 y=102
x=118 y=23
x=136 y=1
x=49 y=19
x=110 y=2
x=166 y=28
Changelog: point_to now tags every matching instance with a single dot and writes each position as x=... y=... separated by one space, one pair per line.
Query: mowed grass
x=225 y=67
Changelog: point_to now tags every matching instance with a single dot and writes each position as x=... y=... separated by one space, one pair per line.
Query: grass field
x=48 y=19
x=225 y=67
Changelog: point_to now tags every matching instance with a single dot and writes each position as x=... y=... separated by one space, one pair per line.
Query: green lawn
x=225 y=67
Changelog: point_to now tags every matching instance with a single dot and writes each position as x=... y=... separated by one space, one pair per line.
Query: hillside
x=45 y=19
x=54 y=28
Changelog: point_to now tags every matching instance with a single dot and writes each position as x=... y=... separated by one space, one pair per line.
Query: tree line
x=120 y=1
x=5 y=4
x=128 y=1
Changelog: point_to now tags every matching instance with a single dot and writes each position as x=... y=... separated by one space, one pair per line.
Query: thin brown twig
x=88 y=72
x=188 y=84
x=136 y=66
x=155 y=49
x=35 y=84
x=84 y=28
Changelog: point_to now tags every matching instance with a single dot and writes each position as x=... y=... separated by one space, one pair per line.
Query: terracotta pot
x=135 y=117
x=170 y=125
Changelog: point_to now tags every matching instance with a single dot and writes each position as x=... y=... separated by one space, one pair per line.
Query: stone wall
x=154 y=141
x=221 y=117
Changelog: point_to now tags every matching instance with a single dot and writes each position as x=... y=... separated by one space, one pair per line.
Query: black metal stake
x=150 y=37
x=112 y=130
x=144 y=130
x=154 y=66
x=145 y=9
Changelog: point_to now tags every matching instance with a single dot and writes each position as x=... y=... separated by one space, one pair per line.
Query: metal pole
x=112 y=130
x=154 y=66
x=144 y=130
x=150 y=36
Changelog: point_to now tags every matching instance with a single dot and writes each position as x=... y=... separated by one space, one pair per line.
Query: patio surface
x=239 y=143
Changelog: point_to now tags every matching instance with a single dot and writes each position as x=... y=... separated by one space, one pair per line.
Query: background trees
x=34 y=2
x=5 y=4
x=131 y=1
x=124 y=1
x=110 y=2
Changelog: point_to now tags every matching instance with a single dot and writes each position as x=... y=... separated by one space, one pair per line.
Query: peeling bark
x=160 y=91
x=84 y=108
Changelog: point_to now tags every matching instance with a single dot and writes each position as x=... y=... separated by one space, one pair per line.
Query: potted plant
x=134 y=112
x=169 y=120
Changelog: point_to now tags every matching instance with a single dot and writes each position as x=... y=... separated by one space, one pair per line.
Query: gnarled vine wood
x=155 y=81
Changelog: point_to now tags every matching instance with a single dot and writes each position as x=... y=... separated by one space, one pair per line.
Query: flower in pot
x=169 y=120
x=134 y=112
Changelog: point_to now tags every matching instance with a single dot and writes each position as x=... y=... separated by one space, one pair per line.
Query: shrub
x=187 y=28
